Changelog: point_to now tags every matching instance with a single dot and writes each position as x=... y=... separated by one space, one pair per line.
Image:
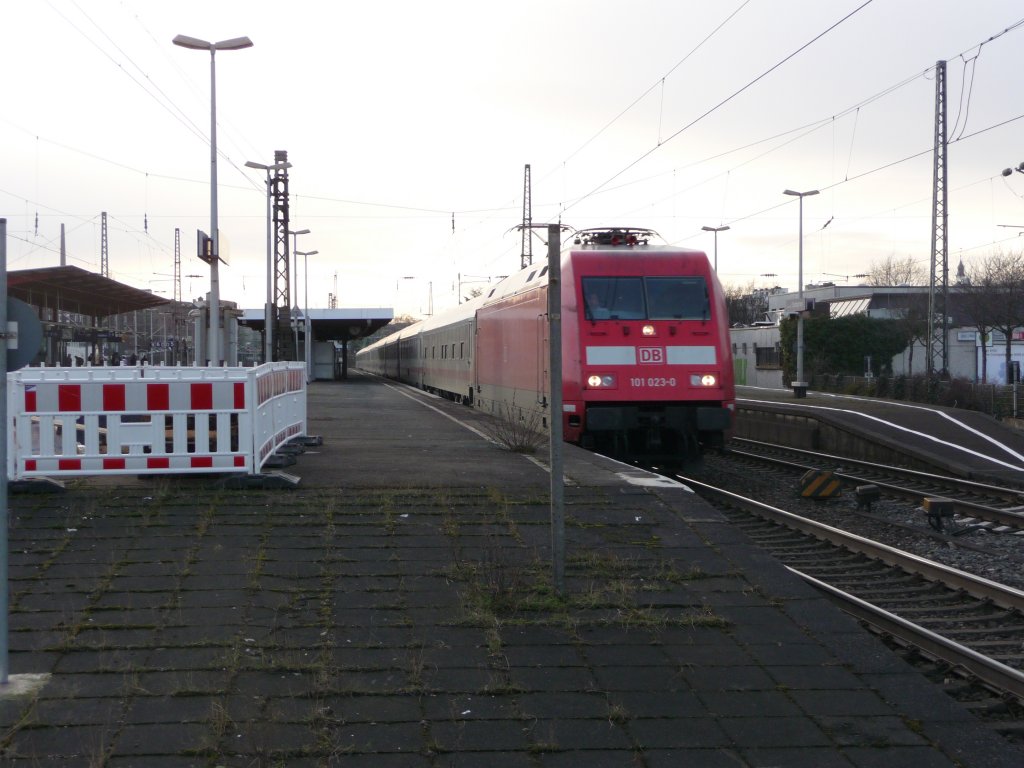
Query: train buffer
x=819 y=484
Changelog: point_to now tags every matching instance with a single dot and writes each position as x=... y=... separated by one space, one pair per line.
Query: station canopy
x=73 y=289
x=332 y=324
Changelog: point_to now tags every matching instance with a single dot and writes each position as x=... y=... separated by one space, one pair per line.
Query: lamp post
x=309 y=323
x=236 y=43
x=716 y=230
x=295 y=281
x=800 y=386
x=268 y=313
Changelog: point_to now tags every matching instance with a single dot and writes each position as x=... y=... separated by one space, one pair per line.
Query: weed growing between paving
x=517 y=429
x=499 y=593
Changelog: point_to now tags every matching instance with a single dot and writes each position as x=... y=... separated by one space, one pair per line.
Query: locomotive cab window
x=613 y=298
x=677 y=298
x=646 y=298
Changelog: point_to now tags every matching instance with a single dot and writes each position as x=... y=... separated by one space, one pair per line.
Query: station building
x=757 y=348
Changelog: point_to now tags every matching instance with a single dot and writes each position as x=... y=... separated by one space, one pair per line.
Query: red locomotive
x=647 y=366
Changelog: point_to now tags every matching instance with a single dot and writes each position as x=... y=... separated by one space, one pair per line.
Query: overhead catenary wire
x=660 y=81
x=721 y=104
x=446 y=210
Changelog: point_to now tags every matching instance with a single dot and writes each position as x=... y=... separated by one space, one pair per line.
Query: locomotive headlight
x=598 y=382
x=707 y=380
x=648 y=330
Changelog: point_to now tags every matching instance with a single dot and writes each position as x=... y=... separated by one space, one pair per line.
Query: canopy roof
x=72 y=289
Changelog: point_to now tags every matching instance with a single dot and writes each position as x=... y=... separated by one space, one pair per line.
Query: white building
x=757 y=349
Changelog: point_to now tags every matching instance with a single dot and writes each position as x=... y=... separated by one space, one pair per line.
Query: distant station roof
x=332 y=324
x=72 y=289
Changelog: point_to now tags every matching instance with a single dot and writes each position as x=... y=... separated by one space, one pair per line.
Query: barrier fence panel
x=279 y=408
x=151 y=420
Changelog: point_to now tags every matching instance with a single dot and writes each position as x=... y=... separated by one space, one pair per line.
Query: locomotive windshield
x=646 y=298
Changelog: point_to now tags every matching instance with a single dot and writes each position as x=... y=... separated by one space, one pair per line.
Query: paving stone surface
x=396 y=610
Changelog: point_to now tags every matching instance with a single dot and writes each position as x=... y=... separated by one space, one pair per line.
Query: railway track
x=970 y=624
x=976 y=504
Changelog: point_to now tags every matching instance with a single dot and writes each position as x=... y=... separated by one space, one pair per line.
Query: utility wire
x=721 y=104
x=638 y=99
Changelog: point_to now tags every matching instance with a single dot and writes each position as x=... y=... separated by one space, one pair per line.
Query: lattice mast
x=104 y=252
x=284 y=340
x=177 y=266
x=527 y=253
x=938 y=292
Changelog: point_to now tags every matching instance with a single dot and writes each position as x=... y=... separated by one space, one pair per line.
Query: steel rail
x=1009 y=494
x=991 y=672
x=983 y=511
x=976 y=586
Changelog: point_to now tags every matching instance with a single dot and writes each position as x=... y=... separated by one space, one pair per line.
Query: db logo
x=652 y=355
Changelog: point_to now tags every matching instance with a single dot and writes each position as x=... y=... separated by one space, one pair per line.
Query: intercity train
x=646 y=360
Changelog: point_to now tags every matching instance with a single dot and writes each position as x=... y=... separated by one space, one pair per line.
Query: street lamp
x=268 y=314
x=294 y=281
x=716 y=230
x=309 y=323
x=234 y=44
x=800 y=386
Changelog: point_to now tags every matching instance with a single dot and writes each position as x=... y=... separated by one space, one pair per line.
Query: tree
x=746 y=304
x=839 y=346
x=892 y=271
x=977 y=300
x=912 y=325
x=1006 y=299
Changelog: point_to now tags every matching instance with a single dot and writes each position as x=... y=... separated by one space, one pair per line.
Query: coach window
x=462 y=350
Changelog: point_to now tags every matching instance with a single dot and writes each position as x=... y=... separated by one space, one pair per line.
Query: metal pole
x=268 y=319
x=800 y=296
x=555 y=363
x=213 y=345
x=799 y=385
x=307 y=325
x=4 y=668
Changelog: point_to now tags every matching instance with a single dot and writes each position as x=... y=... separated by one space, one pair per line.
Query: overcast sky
x=409 y=123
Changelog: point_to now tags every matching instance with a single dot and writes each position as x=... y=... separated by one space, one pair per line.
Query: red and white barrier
x=66 y=422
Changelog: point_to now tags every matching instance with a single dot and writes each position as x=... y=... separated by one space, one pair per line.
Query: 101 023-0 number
x=652 y=381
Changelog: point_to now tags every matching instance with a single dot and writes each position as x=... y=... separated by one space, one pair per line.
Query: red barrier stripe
x=158 y=463
x=69 y=464
x=113 y=397
x=202 y=461
x=239 y=461
x=202 y=397
x=30 y=465
x=113 y=464
x=158 y=397
x=239 y=395
x=30 y=401
x=69 y=397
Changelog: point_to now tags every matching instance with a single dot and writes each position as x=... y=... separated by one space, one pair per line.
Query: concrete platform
x=395 y=610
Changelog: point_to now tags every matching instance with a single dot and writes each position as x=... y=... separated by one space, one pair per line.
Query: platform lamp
x=308 y=325
x=234 y=44
x=800 y=386
x=268 y=314
x=716 y=230
x=295 y=272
